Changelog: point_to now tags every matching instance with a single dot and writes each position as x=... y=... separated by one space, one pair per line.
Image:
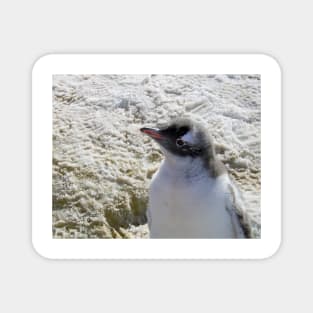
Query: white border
x=262 y=64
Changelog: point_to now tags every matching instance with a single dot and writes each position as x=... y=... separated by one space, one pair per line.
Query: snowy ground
x=102 y=164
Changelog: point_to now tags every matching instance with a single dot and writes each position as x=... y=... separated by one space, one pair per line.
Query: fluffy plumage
x=191 y=195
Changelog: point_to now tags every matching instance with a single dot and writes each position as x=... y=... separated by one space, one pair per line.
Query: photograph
x=148 y=156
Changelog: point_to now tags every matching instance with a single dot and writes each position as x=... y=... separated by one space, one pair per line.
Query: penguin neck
x=185 y=167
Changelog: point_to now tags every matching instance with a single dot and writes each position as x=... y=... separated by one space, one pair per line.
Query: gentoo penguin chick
x=191 y=195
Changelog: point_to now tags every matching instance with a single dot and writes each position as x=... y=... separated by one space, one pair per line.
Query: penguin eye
x=179 y=142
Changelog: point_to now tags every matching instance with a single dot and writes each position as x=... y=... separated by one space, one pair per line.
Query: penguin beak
x=152 y=132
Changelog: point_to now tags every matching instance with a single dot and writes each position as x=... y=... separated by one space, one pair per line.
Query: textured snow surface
x=102 y=164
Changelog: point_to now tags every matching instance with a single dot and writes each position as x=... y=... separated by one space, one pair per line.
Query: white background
x=30 y=29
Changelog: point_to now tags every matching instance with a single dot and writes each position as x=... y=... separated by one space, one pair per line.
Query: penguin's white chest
x=188 y=207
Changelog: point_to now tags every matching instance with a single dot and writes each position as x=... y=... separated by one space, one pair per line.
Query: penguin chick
x=191 y=195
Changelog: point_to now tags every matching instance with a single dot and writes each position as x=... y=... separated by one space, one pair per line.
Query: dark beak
x=152 y=132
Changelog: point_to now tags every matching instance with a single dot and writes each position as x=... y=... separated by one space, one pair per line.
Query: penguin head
x=182 y=137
